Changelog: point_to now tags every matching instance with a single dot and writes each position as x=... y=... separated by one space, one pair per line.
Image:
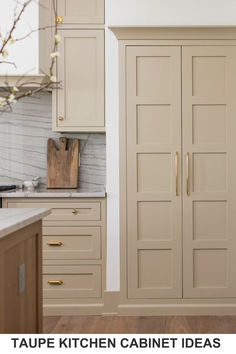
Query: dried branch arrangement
x=12 y=93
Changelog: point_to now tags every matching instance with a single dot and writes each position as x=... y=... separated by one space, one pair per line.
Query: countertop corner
x=14 y=219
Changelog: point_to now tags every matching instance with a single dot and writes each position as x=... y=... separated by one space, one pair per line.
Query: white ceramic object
x=31 y=185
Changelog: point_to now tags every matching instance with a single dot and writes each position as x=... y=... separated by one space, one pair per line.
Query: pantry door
x=154 y=240
x=209 y=171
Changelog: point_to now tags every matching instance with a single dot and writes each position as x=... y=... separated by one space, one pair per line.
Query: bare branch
x=31 y=32
x=8 y=62
x=5 y=42
x=13 y=93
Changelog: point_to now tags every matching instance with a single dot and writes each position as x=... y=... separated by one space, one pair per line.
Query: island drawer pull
x=55 y=282
x=74 y=211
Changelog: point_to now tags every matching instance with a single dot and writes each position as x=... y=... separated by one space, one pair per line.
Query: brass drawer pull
x=55 y=243
x=74 y=211
x=61 y=118
x=55 y=282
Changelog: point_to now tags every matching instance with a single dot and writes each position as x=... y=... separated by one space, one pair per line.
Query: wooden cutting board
x=62 y=164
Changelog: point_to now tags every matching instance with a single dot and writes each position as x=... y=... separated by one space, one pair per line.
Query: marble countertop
x=12 y=220
x=54 y=193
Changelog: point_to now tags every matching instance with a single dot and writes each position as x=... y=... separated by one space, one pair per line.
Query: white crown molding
x=173 y=32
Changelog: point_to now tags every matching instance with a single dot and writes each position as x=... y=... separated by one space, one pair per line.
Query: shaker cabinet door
x=80 y=11
x=209 y=146
x=153 y=172
x=80 y=69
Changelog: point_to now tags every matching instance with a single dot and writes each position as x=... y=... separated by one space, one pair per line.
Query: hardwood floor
x=146 y=325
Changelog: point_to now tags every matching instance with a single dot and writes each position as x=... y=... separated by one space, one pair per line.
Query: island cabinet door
x=209 y=130
x=153 y=172
x=80 y=11
x=20 y=281
x=80 y=70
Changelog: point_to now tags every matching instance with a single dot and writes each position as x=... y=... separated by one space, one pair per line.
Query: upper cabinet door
x=209 y=129
x=81 y=11
x=80 y=69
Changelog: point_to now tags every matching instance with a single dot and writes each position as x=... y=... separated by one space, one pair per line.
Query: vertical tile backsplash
x=23 y=145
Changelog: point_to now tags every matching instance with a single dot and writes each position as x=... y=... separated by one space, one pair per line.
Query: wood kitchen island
x=21 y=270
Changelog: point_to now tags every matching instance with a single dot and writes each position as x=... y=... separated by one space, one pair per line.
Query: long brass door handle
x=187 y=174
x=177 y=173
x=55 y=282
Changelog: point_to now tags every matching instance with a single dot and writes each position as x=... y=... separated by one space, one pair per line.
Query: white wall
x=142 y=12
x=24 y=53
x=170 y=12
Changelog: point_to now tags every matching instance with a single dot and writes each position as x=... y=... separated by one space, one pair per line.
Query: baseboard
x=112 y=307
x=109 y=308
x=177 y=310
x=73 y=310
x=111 y=302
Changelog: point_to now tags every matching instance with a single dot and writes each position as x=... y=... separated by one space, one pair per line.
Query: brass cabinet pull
x=177 y=173
x=55 y=243
x=55 y=282
x=74 y=211
x=187 y=174
x=61 y=118
x=58 y=20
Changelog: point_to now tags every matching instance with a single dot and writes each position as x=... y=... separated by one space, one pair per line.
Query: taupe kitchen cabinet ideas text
x=178 y=171
x=80 y=12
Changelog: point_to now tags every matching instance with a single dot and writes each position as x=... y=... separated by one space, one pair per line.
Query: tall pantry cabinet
x=79 y=103
x=178 y=170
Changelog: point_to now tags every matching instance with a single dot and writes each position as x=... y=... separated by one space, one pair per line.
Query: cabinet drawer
x=74 y=242
x=68 y=282
x=76 y=211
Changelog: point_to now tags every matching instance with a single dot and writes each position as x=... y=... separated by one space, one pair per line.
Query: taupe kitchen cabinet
x=74 y=253
x=79 y=103
x=80 y=12
x=178 y=170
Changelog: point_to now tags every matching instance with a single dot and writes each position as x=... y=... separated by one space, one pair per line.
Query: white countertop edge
x=14 y=219
x=49 y=194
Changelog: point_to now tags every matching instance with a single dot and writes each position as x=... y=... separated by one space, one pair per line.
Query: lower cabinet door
x=68 y=282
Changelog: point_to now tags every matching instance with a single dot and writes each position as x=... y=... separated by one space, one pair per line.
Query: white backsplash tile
x=23 y=145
